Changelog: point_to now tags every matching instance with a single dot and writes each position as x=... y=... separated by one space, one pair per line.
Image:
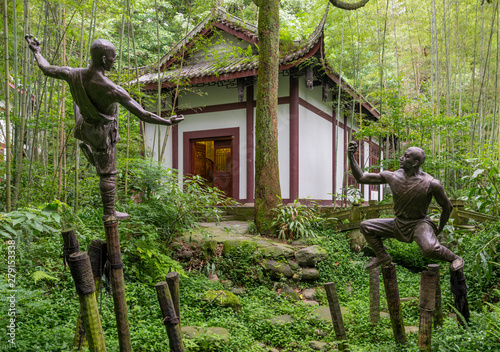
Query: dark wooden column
x=294 y=138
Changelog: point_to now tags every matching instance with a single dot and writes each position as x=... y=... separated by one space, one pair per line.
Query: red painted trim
x=315 y=110
x=294 y=138
x=243 y=36
x=175 y=146
x=250 y=120
x=225 y=107
x=213 y=108
x=208 y=134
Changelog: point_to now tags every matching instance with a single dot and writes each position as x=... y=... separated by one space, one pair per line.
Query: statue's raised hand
x=176 y=119
x=33 y=43
x=353 y=147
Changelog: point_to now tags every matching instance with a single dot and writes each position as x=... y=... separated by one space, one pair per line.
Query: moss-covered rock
x=276 y=269
x=192 y=332
x=223 y=298
x=277 y=251
x=310 y=256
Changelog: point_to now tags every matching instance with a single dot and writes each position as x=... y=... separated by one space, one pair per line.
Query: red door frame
x=233 y=133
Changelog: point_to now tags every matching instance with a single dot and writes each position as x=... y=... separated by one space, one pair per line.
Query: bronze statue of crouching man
x=412 y=191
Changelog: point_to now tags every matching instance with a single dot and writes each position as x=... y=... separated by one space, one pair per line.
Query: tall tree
x=267 y=182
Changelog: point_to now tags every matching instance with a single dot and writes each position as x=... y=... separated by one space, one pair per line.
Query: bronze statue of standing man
x=96 y=100
x=412 y=191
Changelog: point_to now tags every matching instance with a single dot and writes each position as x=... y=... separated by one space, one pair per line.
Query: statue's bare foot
x=378 y=261
x=118 y=215
x=457 y=264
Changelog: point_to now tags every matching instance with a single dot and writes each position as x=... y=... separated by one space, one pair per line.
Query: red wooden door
x=223 y=178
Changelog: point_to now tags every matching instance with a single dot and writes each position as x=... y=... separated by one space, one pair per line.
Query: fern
x=42 y=275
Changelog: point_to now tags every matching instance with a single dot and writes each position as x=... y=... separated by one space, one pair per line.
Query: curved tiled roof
x=212 y=67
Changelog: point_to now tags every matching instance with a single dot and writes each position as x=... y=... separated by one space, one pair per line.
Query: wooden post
x=118 y=285
x=375 y=295
x=393 y=302
x=81 y=270
x=170 y=318
x=338 y=323
x=428 y=283
x=71 y=244
x=97 y=254
x=173 y=286
x=438 y=309
x=459 y=290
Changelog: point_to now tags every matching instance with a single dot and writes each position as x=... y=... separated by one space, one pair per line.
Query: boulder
x=223 y=298
x=310 y=256
x=281 y=319
x=276 y=251
x=309 y=293
x=323 y=313
x=309 y=274
x=276 y=269
x=289 y=292
x=319 y=345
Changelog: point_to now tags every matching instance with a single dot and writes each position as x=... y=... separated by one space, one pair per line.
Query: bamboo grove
x=430 y=67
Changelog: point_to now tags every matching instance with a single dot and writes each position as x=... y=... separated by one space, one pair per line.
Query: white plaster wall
x=284 y=149
x=366 y=162
x=315 y=156
x=340 y=160
x=283 y=86
x=151 y=137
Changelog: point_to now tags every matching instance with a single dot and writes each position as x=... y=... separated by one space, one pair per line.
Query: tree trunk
x=267 y=182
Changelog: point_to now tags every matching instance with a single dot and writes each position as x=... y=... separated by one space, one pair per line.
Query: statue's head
x=412 y=157
x=103 y=54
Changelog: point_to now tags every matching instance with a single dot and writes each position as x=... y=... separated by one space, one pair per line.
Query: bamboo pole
x=81 y=270
x=438 y=310
x=375 y=295
x=393 y=302
x=71 y=244
x=172 y=280
x=428 y=283
x=459 y=290
x=7 y=110
x=118 y=285
x=338 y=323
x=97 y=254
x=169 y=316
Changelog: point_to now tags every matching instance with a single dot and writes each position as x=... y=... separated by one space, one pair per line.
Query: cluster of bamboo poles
x=430 y=304
x=36 y=127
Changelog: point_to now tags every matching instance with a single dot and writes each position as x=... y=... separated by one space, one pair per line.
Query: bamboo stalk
x=97 y=254
x=170 y=318
x=438 y=310
x=7 y=110
x=459 y=290
x=428 y=283
x=375 y=295
x=118 y=285
x=393 y=302
x=81 y=270
x=338 y=323
x=172 y=280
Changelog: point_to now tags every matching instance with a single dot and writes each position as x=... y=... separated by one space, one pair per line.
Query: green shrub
x=293 y=221
x=240 y=265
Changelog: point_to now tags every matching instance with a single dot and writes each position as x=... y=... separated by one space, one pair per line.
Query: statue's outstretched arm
x=59 y=72
x=135 y=108
x=359 y=175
